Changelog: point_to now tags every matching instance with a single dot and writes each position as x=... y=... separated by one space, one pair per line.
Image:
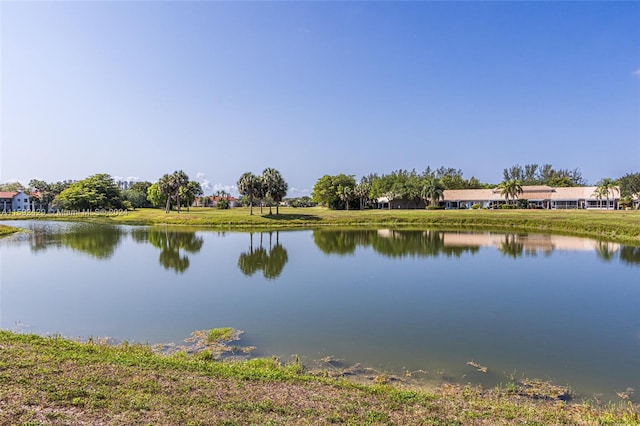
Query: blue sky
x=139 y=89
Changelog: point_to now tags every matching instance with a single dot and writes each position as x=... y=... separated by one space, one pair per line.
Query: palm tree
x=275 y=187
x=262 y=191
x=432 y=191
x=510 y=189
x=249 y=186
x=167 y=186
x=190 y=192
x=362 y=192
x=345 y=193
x=605 y=187
x=181 y=183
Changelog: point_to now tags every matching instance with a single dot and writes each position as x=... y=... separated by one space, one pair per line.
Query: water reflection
x=630 y=254
x=270 y=261
x=172 y=244
x=390 y=243
x=97 y=241
x=513 y=246
x=400 y=243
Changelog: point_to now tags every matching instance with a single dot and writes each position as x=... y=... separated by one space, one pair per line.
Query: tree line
x=175 y=190
x=343 y=192
x=171 y=191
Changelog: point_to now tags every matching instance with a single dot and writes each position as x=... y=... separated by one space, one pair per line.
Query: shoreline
x=621 y=226
x=52 y=380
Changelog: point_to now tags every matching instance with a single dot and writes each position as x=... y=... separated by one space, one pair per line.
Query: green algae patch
x=6 y=230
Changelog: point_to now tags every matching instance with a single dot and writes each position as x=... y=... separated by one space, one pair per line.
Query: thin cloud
x=204 y=182
x=229 y=189
x=637 y=72
x=298 y=192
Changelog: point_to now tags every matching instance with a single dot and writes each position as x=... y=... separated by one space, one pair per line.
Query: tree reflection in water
x=172 y=244
x=390 y=243
x=271 y=261
x=630 y=255
x=512 y=246
x=400 y=243
x=99 y=241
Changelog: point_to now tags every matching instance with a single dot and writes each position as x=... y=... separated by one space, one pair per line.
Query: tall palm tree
x=275 y=187
x=510 y=189
x=190 y=192
x=345 y=193
x=362 y=192
x=249 y=186
x=167 y=187
x=181 y=183
x=432 y=191
x=604 y=188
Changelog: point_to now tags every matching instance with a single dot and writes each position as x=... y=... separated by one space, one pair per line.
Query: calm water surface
x=551 y=307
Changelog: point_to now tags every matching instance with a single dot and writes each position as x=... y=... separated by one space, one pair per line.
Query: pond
x=405 y=302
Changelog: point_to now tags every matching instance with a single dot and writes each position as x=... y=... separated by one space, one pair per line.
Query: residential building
x=537 y=196
x=15 y=201
x=213 y=200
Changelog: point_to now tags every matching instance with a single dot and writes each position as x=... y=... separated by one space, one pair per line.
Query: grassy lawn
x=53 y=381
x=622 y=226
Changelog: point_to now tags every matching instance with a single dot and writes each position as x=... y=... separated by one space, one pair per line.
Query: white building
x=14 y=201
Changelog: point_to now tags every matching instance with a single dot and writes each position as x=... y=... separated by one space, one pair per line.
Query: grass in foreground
x=53 y=381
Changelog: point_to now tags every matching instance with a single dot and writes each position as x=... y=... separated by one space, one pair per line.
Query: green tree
x=451 y=178
x=155 y=197
x=167 y=186
x=413 y=188
x=276 y=187
x=45 y=193
x=137 y=194
x=325 y=191
x=171 y=185
x=97 y=191
x=12 y=187
x=510 y=189
x=182 y=182
x=345 y=193
x=388 y=186
x=533 y=174
x=135 y=197
x=432 y=191
x=605 y=188
x=361 y=191
x=630 y=185
x=262 y=191
x=189 y=192
x=249 y=185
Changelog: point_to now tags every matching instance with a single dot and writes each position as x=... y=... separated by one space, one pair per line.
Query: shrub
x=475 y=206
x=222 y=204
